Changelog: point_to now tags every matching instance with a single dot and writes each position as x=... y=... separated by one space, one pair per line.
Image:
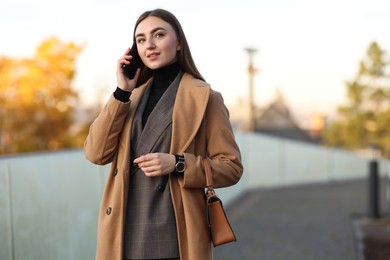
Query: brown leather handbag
x=220 y=230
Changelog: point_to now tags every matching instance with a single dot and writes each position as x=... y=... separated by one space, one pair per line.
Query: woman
x=155 y=129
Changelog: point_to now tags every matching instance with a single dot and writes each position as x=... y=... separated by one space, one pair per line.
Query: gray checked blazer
x=150 y=228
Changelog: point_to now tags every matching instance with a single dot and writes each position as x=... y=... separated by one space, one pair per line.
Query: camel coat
x=200 y=128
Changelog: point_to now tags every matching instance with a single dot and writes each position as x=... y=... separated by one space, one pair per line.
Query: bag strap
x=209 y=177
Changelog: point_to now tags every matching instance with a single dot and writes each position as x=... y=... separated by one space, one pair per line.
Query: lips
x=152 y=55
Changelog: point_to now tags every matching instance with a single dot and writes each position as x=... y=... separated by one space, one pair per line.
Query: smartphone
x=135 y=62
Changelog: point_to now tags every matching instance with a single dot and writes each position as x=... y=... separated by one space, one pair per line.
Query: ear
x=178 y=47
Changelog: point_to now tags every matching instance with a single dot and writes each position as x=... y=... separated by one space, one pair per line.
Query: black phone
x=135 y=62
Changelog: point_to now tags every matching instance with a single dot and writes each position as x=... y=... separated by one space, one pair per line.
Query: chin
x=157 y=64
x=154 y=66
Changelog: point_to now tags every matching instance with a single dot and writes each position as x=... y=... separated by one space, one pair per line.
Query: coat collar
x=190 y=105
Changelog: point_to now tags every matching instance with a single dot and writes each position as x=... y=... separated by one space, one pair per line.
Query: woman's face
x=157 y=42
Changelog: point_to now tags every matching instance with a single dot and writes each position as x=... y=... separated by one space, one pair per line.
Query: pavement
x=302 y=222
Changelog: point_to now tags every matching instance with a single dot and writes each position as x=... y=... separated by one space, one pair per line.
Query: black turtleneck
x=162 y=79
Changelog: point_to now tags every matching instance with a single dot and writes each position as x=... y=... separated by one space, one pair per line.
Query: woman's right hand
x=123 y=81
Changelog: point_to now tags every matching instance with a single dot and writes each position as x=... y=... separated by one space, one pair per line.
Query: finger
x=127 y=51
x=140 y=160
x=125 y=62
x=152 y=173
x=149 y=171
x=149 y=157
x=122 y=62
x=145 y=160
x=150 y=166
x=137 y=73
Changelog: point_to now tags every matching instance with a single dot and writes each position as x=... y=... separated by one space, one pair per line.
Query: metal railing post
x=373 y=190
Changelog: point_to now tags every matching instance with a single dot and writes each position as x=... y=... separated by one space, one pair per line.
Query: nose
x=150 y=43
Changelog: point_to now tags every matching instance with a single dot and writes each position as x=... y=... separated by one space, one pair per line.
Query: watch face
x=180 y=166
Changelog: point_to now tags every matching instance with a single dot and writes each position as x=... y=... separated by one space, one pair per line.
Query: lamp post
x=251 y=71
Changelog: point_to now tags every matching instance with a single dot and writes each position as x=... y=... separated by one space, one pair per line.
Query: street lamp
x=251 y=71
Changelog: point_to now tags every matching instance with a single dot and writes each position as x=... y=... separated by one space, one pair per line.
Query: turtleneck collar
x=163 y=77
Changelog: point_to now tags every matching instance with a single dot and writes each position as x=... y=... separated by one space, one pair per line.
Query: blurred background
x=307 y=84
x=320 y=62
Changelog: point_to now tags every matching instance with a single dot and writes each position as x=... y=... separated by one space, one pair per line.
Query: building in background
x=276 y=119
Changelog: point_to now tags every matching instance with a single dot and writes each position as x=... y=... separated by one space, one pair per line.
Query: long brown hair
x=184 y=56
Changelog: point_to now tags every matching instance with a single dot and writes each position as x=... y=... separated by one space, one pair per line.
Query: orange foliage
x=36 y=98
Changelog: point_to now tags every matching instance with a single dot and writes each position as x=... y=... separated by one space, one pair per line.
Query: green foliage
x=364 y=120
x=36 y=99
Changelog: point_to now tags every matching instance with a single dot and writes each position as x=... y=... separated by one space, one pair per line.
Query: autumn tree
x=364 y=120
x=36 y=99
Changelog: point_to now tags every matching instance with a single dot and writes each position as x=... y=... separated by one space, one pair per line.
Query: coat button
x=108 y=211
x=116 y=171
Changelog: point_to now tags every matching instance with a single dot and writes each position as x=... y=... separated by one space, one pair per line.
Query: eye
x=159 y=35
x=140 y=40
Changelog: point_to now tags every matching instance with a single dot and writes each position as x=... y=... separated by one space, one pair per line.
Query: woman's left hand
x=156 y=164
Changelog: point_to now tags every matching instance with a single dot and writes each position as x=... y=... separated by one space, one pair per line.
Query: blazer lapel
x=159 y=120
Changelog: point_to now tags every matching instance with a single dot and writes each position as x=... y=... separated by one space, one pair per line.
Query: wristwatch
x=180 y=165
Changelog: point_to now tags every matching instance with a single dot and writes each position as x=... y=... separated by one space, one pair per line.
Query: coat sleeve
x=221 y=149
x=101 y=143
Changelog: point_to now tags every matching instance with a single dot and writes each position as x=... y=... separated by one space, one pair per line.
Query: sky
x=306 y=49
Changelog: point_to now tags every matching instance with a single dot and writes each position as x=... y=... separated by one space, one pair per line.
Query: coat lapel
x=191 y=99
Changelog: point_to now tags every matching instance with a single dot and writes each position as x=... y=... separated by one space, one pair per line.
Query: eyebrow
x=151 y=32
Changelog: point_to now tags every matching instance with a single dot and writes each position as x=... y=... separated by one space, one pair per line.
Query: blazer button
x=108 y=211
x=116 y=171
x=161 y=188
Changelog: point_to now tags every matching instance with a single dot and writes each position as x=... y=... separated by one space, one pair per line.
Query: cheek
x=142 y=53
x=171 y=47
